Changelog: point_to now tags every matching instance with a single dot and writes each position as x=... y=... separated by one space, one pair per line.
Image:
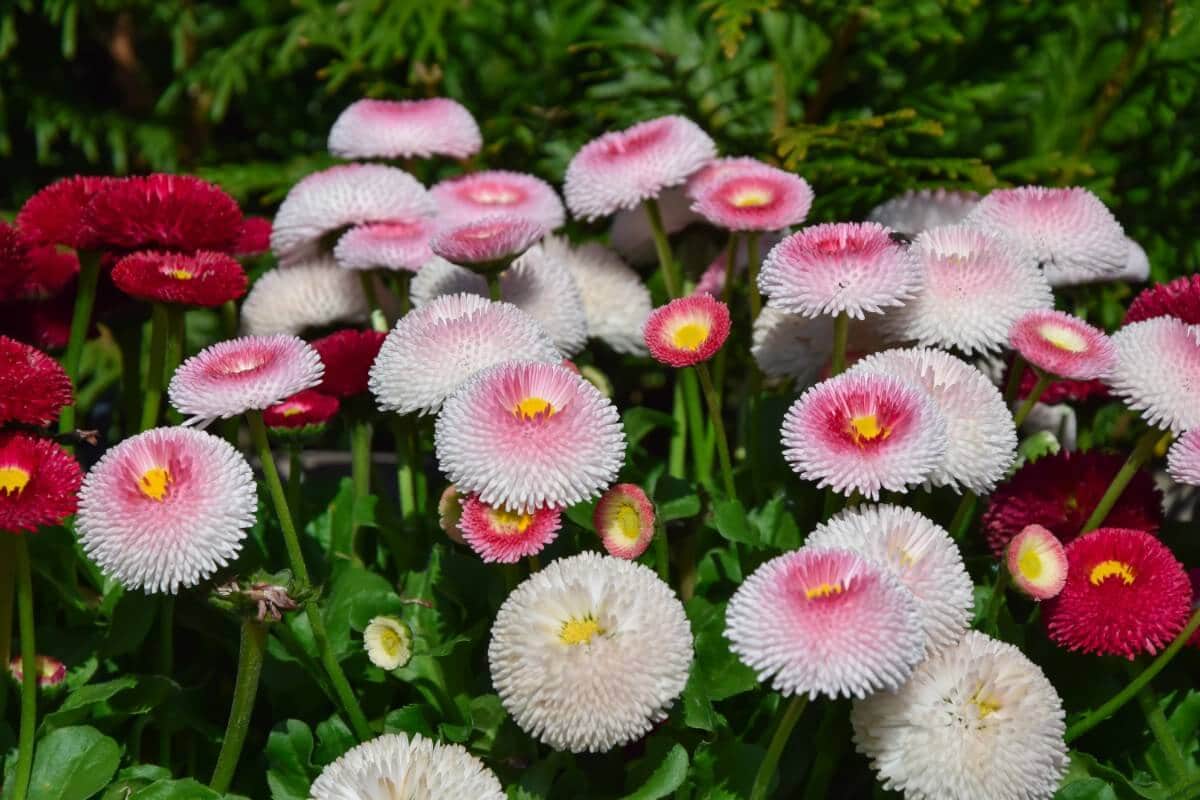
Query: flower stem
x=831 y=738
x=341 y=687
x=752 y=265
x=963 y=514
x=766 y=770
x=29 y=676
x=176 y=341
x=493 y=282
x=695 y=423
x=662 y=553
x=678 y=451
x=378 y=320
x=666 y=262
x=360 y=476
x=295 y=476
x=152 y=401
x=714 y=413
x=1014 y=379
x=992 y=614
x=8 y=554
x=841 y=332
x=400 y=285
x=1144 y=677
x=1141 y=453
x=81 y=320
x=229 y=319
x=1157 y=722
x=250 y=661
x=730 y=260
x=166 y=666
x=1039 y=388
x=405 y=436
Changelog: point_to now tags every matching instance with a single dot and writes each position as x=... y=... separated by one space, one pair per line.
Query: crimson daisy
x=348 y=356
x=33 y=387
x=169 y=212
x=202 y=279
x=39 y=482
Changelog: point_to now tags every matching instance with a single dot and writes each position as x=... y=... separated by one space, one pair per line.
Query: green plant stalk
x=719 y=362
x=1114 y=703
x=1015 y=372
x=166 y=667
x=24 y=769
x=992 y=613
x=752 y=265
x=766 y=770
x=841 y=333
x=678 y=450
x=1039 y=388
x=1157 y=722
x=360 y=476
x=400 y=285
x=294 y=483
x=666 y=261
x=1141 y=453
x=349 y=703
x=662 y=553
x=8 y=554
x=81 y=319
x=831 y=739
x=152 y=401
x=229 y=319
x=176 y=340
x=714 y=413
x=404 y=432
x=964 y=514
x=493 y=282
x=378 y=320
x=129 y=340
x=250 y=662
x=695 y=423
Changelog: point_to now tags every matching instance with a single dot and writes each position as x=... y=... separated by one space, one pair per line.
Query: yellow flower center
x=823 y=590
x=510 y=523
x=866 y=428
x=1030 y=562
x=628 y=524
x=1063 y=338
x=13 y=479
x=533 y=407
x=292 y=411
x=1111 y=569
x=181 y=275
x=984 y=704
x=390 y=641
x=751 y=198
x=690 y=335
x=154 y=483
x=493 y=197
x=580 y=631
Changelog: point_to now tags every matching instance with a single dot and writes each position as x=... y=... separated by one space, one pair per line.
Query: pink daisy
x=687 y=331
x=622 y=169
x=720 y=169
x=758 y=199
x=624 y=519
x=481 y=194
x=865 y=432
x=238 y=375
x=1037 y=562
x=826 y=621
x=526 y=436
x=306 y=413
x=1062 y=345
x=852 y=268
x=1183 y=459
x=1157 y=371
x=400 y=246
x=919 y=210
x=405 y=129
x=500 y=535
x=498 y=237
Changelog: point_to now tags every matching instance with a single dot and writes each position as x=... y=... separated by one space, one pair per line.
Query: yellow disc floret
x=580 y=631
x=13 y=479
x=154 y=483
x=1111 y=569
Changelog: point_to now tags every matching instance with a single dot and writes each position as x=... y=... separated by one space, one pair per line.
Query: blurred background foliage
x=863 y=99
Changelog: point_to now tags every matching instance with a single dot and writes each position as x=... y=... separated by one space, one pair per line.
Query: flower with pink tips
x=864 y=432
x=1157 y=371
x=436 y=126
x=624 y=519
x=487 y=240
x=1037 y=562
x=50 y=671
x=825 y=621
x=1183 y=459
x=400 y=245
x=622 y=169
x=1062 y=345
x=760 y=198
x=852 y=268
x=919 y=210
x=239 y=375
x=482 y=194
x=502 y=536
x=687 y=331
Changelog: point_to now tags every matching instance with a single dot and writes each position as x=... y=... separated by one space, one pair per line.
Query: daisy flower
x=47 y=271
x=1062 y=345
x=978 y=720
x=312 y=295
x=981 y=437
x=399 y=765
x=400 y=246
x=305 y=413
x=526 y=436
x=347 y=356
x=51 y=673
x=202 y=279
x=38 y=483
x=503 y=536
x=33 y=386
x=255 y=237
x=1179 y=298
x=487 y=240
x=631 y=234
x=622 y=169
x=758 y=198
x=847 y=268
x=687 y=331
x=239 y=375
x=974 y=287
x=14 y=261
x=1125 y=595
x=1157 y=371
x=1037 y=562
x=434 y=349
x=1183 y=459
x=167 y=212
x=826 y=621
x=918 y=552
x=450 y=513
x=1137 y=264
x=166 y=509
x=480 y=194
x=54 y=214
x=624 y=519
x=405 y=129
x=865 y=432
x=1069 y=231
x=388 y=642
x=569 y=631
x=919 y=210
x=615 y=301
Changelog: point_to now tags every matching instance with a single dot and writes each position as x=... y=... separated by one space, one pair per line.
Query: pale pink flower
x=624 y=519
x=1157 y=371
x=486 y=240
x=1063 y=345
x=760 y=198
x=1183 y=459
x=402 y=245
x=481 y=194
x=919 y=210
x=1037 y=561
x=405 y=129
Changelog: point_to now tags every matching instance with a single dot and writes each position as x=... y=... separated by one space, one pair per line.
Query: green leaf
x=186 y=789
x=355 y=596
x=669 y=776
x=732 y=522
x=640 y=422
x=290 y=770
x=130 y=695
x=73 y=764
x=675 y=499
x=409 y=719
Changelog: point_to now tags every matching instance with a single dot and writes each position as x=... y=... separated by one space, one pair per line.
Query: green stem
x=1014 y=379
x=695 y=423
x=1122 y=697
x=129 y=339
x=493 y=282
x=1157 y=722
x=8 y=555
x=1141 y=453
x=229 y=319
x=714 y=413
x=405 y=435
x=831 y=738
x=662 y=553
x=81 y=320
x=833 y=503
x=400 y=285
x=678 y=451
x=666 y=262
x=752 y=265
x=152 y=401
x=999 y=588
x=841 y=332
x=250 y=661
x=176 y=341
x=166 y=666
x=295 y=476
x=349 y=703
x=730 y=260
x=360 y=476
x=766 y=770
x=964 y=514
x=29 y=676
x=378 y=320
x=1039 y=388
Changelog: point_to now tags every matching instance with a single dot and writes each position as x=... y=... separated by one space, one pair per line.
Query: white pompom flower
x=436 y=126
x=316 y=294
x=388 y=642
x=1157 y=371
x=615 y=301
x=397 y=765
x=919 y=210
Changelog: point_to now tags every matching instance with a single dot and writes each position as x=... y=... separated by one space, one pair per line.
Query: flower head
x=632 y=235
x=847 y=268
x=792 y=346
x=401 y=246
x=50 y=671
x=480 y=194
x=312 y=295
x=305 y=413
x=1062 y=345
x=200 y=279
x=14 y=261
x=1183 y=459
x=487 y=239
x=166 y=509
x=1037 y=562
x=255 y=238
x=757 y=198
x=1157 y=371
x=865 y=432
x=688 y=330
x=47 y=271
x=434 y=349
x=615 y=301
x=977 y=720
x=437 y=126
x=347 y=356
x=624 y=518
x=567 y=633
x=38 y=483
x=1125 y=595
x=395 y=763
x=526 y=436
x=825 y=621
x=918 y=210
x=239 y=375
x=33 y=386
x=1179 y=298
x=1058 y=391
x=54 y=214
x=500 y=535
x=388 y=642
x=167 y=212
x=450 y=513
x=621 y=169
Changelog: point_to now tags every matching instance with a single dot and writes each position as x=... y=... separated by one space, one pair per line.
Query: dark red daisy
x=39 y=482
x=304 y=409
x=33 y=387
x=255 y=237
x=1061 y=390
x=348 y=356
x=1179 y=298
x=1125 y=595
x=201 y=279
x=167 y=212
x=55 y=214
x=50 y=270
x=45 y=324
x=14 y=262
x=1194 y=577
x=1060 y=491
